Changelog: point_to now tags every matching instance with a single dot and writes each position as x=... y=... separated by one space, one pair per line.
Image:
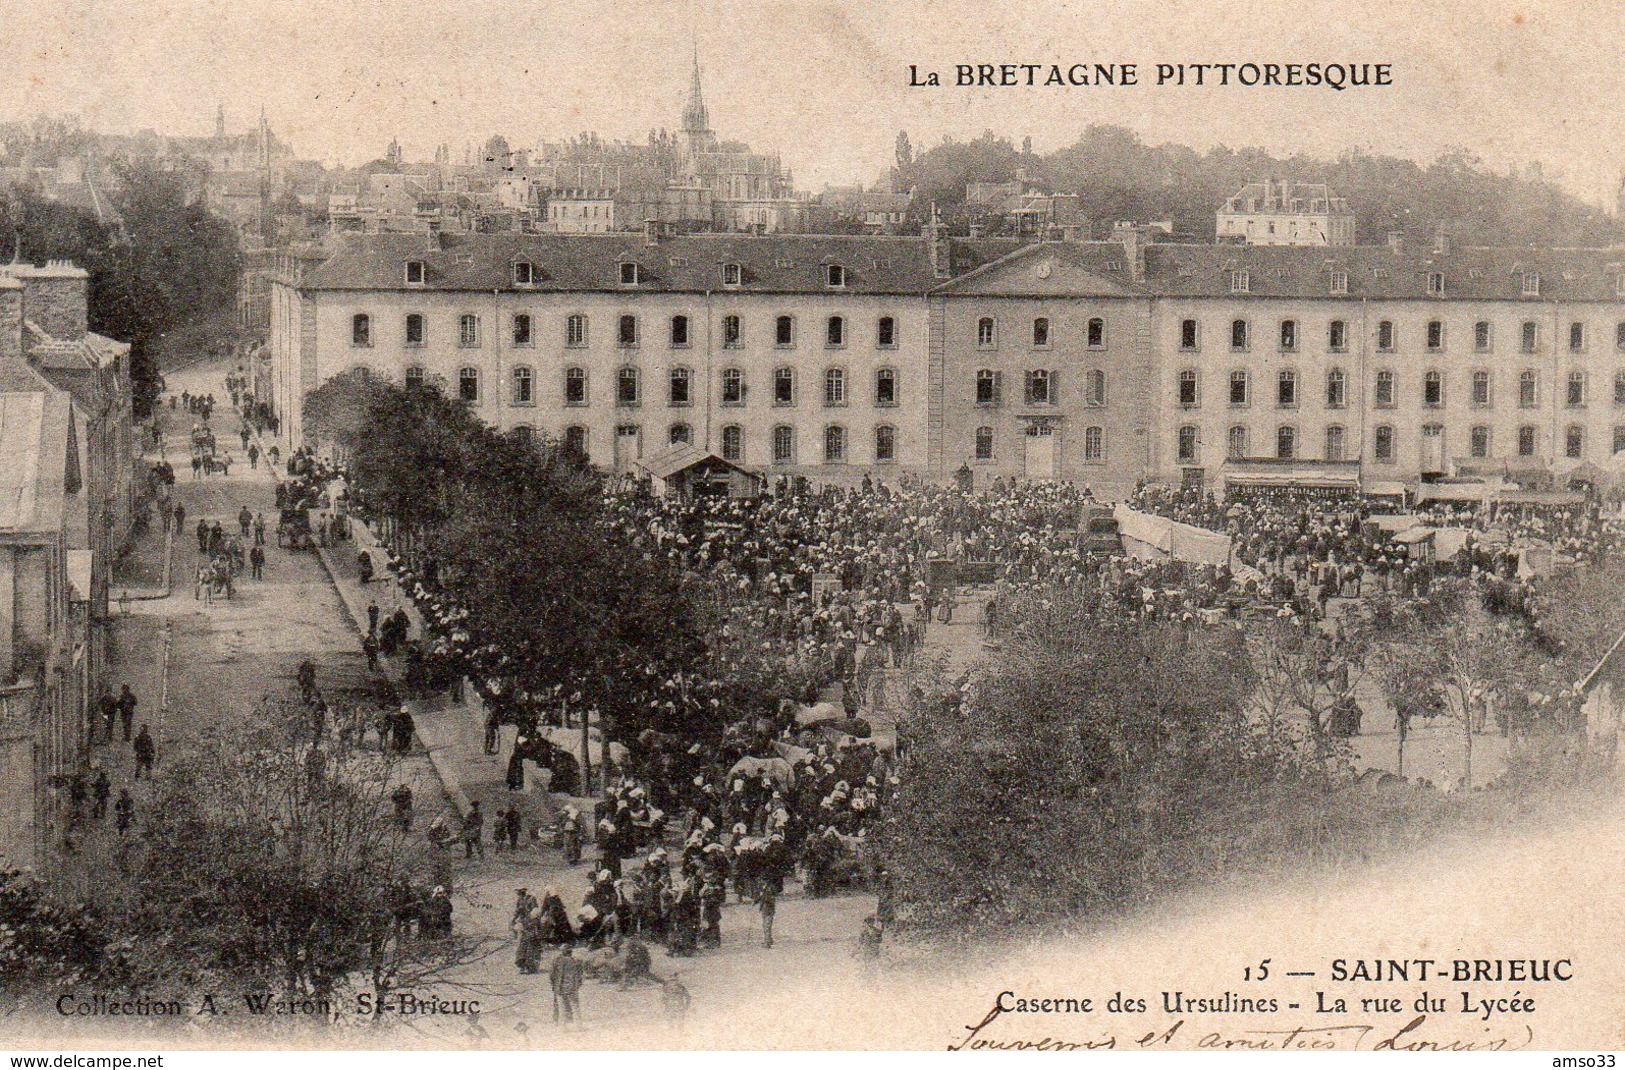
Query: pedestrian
x=243 y=434
x=107 y=706
x=372 y=620
x=513 y=826
x=145 y=752
x=565 y=978
x=180 y=518
x=259 y=529
x=474 y=831
x=369 y=648
x=204 y=587
x=124 y=811
x=254 y=456
x=256 y=561
x=126 y=710
x=245 y=520
x=202 y=536
x=402 y=798
x=197 y=466
x=767 y=903
x=363 y=562
x=100 y=792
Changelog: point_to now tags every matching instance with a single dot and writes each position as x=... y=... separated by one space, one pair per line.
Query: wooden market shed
x=686 y=472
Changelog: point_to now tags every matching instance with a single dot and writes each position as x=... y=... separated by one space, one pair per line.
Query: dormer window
x=1240 y=282
x=1435 y=284
x=1339 y=282
x=1531 y=284
x=732 y=275
x=630 y=274
x=414 y=273
x=835 y=276
x=524 y=273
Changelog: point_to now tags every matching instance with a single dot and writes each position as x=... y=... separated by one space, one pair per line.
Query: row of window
x=627 y=273
x=1337 y=336
x=1337 y=282
x=1189 y=394
x=522 y=331
x=1094 y=443
x=732 y=445
x=987 y=333
x=679 y=386
x=1040 y=386
x=1238 y=445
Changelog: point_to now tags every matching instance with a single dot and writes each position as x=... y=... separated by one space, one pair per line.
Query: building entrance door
x=628 y=446
x=1040 y=452
x=1432 y=448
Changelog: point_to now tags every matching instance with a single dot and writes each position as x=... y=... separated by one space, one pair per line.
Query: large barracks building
x=1099 y=362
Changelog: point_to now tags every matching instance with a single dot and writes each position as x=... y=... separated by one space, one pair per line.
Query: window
x=1240 y=282
x=1619 y=334
x=1289 y=336
x=1384 y=390
x=835 y=276
x=1038 y=391
x=984 y=443
x=834 y=387
x=1095 y=332
x=468 y=384
x=524 y=273
x=1619 y=388
x=1238 y=335
x=1619 y=439
x=630 y=273
x=414 y=377
x=575 y=386
x=1478 y=441
x=627 y=387
x=1577 y=390
x=1286 y=388
x=1577 y=337
x=521 y=330
x=1188 y=338
x=468 y=331
x=1435 y=335
x=524 y=434
x=784 y=332
x=1435 y=284
x=1531 y=336
x=835 y=332
x=680 y=435
x=1481 y=388
x=1385 y=336
x=1528 y=389
x=679 y=332
x=987 y=387
x=575 y=440
x=1238 y=388
x=731 y=332
x=1337 y=336
x=885 y=444
x=886 y=333
x=733 y=442
x=1483 y=337
x=361 y=329
x=1433 y=390
x=1339 y=282
x=414 y=273
x=1334 y=442
x=414 y=328
x=1094 y=388
x=524 y=386
x=732 y=275
x=1531 y=284
x=985 y=334
x=626 y=331
x=1041 y=332
x=1336 y=389
x=885 y=387
x=784 y=386
x=834 y=444
x=733 y=386
x=1094 y=445
x=681 y=390
x=784 y=445
x=1286 y=442
x=1188 y=395
x=1382 y=444
x=1186 y=444
x=1236 y=443
x=1526 y=441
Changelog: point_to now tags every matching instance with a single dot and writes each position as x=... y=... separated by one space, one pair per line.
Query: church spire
x=696 y=118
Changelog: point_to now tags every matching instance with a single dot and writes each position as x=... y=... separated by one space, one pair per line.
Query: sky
x=825 y=83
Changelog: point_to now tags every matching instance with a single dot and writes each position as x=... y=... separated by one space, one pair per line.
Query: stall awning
x=1339 y=475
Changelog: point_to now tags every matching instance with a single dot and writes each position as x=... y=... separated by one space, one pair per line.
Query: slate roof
x=34 y=428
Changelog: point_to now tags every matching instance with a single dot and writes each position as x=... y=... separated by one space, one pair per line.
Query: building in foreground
x=1274 y=211
x=1099 y=362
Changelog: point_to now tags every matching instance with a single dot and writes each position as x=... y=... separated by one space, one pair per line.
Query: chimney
x=1396 y=241
x=11 y=320
x=1133 y=251
x=651 y=232
x=57 y=297
x=435 y=237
